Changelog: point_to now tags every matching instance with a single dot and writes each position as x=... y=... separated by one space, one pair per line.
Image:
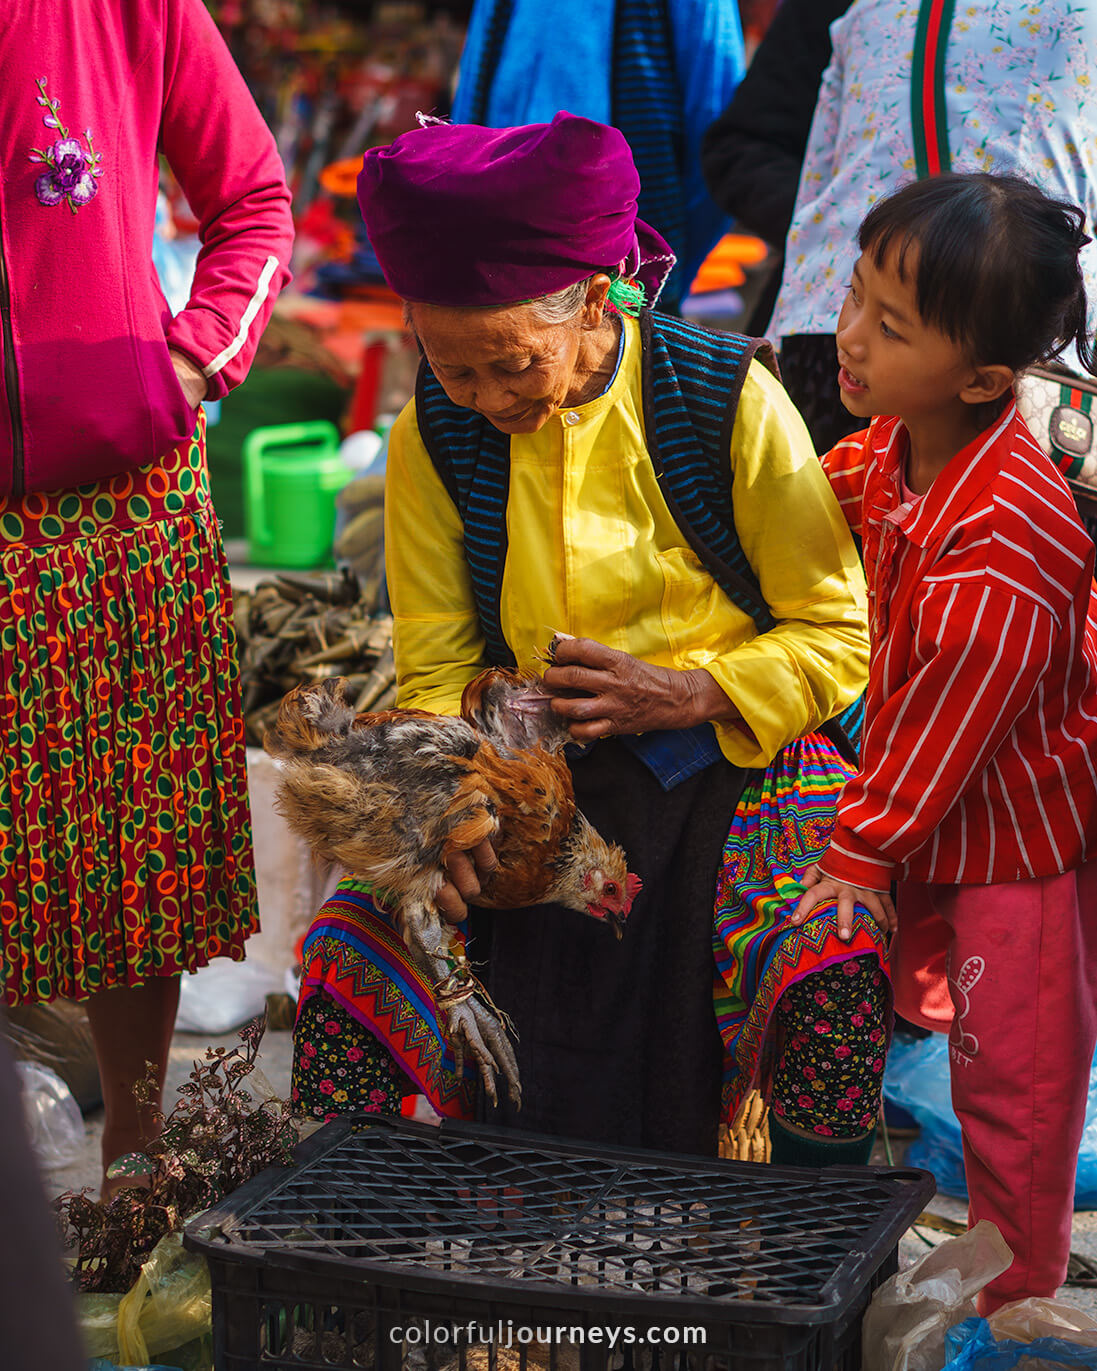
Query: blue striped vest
x=691 y=381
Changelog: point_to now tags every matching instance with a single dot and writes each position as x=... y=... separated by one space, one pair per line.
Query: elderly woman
x=641 y=493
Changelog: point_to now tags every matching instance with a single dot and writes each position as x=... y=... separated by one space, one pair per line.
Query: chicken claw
x=471 y=1024
x=472 y=1021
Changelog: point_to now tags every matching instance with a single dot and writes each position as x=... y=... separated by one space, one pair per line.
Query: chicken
x=391 y=795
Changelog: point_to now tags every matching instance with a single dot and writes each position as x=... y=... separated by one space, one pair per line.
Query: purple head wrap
x=463 y=215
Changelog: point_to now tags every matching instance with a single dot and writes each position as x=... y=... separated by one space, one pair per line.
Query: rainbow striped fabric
x=781 y=826
x=354 y=955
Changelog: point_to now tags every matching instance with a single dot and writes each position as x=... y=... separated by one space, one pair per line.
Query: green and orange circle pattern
x=125 y=841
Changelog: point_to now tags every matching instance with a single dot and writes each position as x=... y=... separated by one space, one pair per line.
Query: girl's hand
x=622 y=694
x=820 y=889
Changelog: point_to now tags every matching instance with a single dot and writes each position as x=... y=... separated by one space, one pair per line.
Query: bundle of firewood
x=360 y=531
x=297 y=628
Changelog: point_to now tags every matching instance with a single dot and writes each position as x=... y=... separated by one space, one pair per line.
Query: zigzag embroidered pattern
x=353 y=955
x=781 y=826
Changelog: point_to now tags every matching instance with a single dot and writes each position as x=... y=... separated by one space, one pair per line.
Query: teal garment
x=790 y=1149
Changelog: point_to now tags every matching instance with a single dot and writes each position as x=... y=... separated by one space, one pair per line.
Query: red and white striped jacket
x=978 y=758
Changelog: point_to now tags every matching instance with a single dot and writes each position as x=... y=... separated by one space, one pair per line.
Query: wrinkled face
x=502 y=363
x=890 y=361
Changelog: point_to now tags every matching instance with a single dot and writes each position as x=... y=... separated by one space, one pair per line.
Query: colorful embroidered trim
x=1070 y=463
x=781 y=826
x=353 y=954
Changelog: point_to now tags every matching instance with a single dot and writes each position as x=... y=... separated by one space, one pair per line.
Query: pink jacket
x=91 y=90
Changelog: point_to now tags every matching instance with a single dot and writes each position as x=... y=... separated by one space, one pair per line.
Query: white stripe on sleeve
x=255 y=304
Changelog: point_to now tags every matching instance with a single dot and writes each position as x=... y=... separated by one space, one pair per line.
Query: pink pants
x=1010 y=973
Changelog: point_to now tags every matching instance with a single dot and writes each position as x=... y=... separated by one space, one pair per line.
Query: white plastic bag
x=54 y=1121
x=224 y=995
x=905 y=1325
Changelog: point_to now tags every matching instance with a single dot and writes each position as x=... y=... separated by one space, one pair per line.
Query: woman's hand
x=622 y=694
x=820 y=889
x=466 y=870
x=191 y=381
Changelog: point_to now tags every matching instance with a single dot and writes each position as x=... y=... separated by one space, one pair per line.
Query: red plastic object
x=363 y=408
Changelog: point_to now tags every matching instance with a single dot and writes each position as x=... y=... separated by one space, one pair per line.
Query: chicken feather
x=391 y=795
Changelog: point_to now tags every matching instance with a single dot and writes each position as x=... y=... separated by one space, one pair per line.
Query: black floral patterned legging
x=831 y=1049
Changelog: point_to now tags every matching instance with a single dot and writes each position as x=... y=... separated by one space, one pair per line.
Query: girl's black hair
x=997 y=264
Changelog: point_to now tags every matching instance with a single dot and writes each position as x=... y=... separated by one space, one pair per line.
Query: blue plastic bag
x=971 y=1346
x=917 y=1078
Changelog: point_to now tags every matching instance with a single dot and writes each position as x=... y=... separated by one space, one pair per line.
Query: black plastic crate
x=398 y=1247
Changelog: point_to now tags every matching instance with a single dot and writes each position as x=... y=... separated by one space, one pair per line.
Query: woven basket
x=746 y=1139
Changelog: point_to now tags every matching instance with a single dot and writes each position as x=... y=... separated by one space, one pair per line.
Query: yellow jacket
x=594 y=551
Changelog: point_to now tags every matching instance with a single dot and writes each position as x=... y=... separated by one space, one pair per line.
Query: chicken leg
x=472 y=1021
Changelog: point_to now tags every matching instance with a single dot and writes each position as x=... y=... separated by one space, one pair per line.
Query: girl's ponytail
x=1075 y=320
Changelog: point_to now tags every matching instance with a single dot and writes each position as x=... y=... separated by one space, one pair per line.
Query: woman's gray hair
x=561 y=306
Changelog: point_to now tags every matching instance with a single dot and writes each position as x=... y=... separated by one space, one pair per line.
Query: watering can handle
x=320 y=433
x=253 y=478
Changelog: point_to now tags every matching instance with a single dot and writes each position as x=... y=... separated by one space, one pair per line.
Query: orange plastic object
x=341 y=178
x=723 y=267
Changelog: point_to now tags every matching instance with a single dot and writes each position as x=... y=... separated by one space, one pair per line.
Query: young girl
x=978 y=784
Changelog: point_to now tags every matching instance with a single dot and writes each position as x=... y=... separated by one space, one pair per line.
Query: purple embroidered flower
x=69 y=178
x=72 y=171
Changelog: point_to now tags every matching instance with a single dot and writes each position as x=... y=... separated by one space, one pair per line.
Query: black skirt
x=617 y=1041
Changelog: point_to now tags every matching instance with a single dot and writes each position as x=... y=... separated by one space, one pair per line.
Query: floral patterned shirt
x=1021 y=98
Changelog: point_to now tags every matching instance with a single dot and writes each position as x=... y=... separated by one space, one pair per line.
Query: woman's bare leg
x=131 y=1026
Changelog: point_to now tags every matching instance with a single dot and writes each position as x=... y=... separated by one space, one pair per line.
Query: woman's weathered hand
x=466 y=870
x=820 y=889
x=622 y=694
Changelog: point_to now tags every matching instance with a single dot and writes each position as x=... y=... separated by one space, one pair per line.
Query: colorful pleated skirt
x=125 y=841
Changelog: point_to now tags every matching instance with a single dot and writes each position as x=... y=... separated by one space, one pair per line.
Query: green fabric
x=927 y=88
x=793 y=1149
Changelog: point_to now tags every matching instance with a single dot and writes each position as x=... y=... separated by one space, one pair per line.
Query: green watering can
x=292 y=474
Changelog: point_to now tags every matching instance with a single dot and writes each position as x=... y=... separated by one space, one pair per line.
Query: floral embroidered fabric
x=72 y=170
x=833 y=1039
x=339 y=1067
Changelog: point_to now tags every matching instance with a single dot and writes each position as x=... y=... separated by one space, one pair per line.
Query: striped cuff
x=855 y=863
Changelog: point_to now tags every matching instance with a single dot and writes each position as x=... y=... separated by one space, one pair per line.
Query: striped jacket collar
x=962 y=483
